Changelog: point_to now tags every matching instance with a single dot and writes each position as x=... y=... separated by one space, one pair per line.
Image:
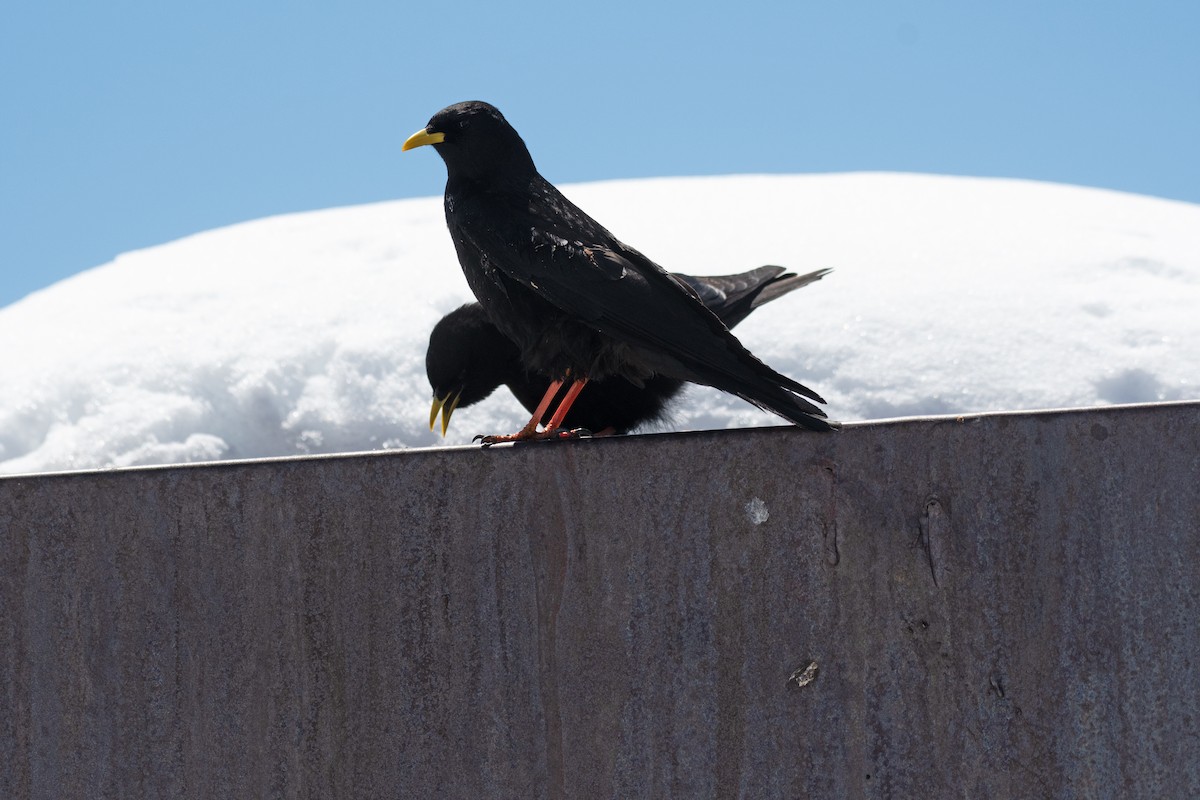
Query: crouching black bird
x=578 y=303
x=468 y=358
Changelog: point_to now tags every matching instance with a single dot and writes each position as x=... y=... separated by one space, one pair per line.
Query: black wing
x=559 y=253
x=733 y=297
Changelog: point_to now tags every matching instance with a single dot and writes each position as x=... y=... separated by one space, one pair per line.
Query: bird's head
x=466 y=360
x=476 y=142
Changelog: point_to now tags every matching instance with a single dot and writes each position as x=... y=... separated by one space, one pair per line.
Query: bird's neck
x=514 y=172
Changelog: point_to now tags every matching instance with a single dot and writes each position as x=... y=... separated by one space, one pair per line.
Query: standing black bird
x=578 y=303
x=468 y=358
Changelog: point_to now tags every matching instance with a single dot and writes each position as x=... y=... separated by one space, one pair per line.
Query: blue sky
x=128 y=124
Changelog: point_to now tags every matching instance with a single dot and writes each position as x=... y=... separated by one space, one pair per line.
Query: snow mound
x=306 y=333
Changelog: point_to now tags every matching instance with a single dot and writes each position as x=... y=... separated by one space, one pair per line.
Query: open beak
x=446 y=405
x=423 y=137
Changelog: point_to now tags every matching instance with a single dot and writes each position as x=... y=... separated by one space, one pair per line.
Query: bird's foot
x=558 y=434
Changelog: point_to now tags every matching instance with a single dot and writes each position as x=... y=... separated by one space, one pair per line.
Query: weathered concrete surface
x=1002 y=606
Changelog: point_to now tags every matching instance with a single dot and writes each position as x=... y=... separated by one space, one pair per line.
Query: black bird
x=578 y=303
x=468 y=358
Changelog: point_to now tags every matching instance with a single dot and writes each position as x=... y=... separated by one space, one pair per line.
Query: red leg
x=530 y=431
x=545 y=404
x=561 y=413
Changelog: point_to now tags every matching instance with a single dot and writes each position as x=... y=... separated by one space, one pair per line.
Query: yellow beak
x=447 y=408
x=422 y=137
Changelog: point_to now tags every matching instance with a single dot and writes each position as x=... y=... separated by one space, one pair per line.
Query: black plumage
x=578 y=303
x=468 y=358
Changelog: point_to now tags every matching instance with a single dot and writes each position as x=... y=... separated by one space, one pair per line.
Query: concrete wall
x=997 y=606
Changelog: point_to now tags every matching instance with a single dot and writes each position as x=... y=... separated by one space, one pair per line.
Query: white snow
x=306 y=333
